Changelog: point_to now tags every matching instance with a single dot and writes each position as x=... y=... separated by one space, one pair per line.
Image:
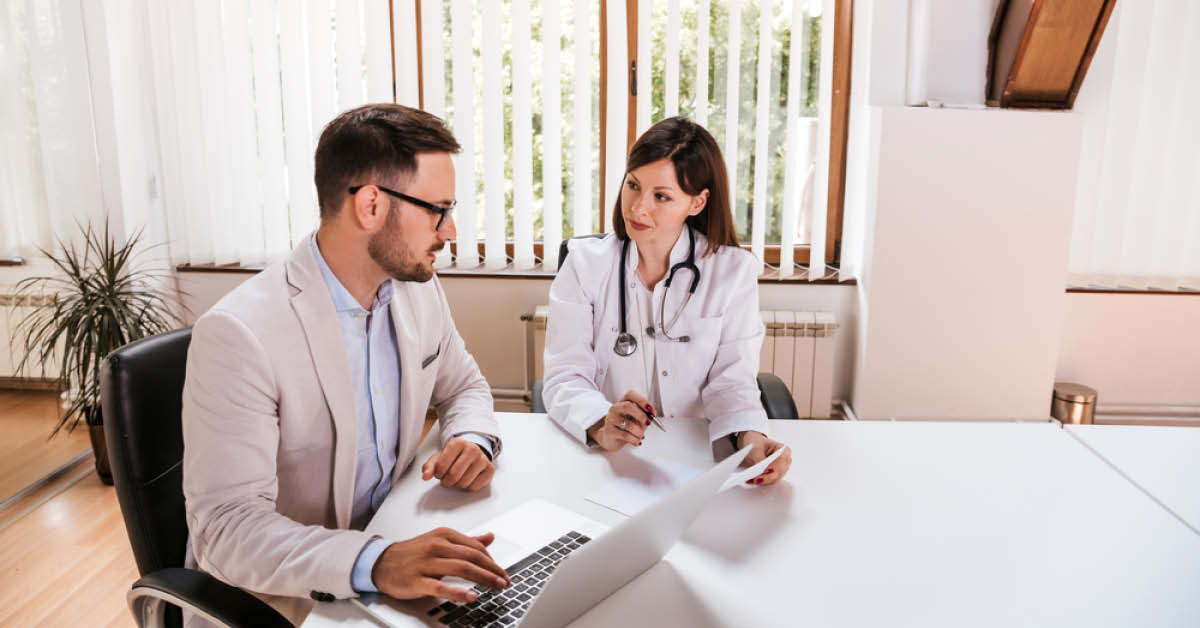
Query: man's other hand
x=460 y=464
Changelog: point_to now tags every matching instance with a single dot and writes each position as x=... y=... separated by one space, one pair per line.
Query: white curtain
x=242 y=91
x=49 y=173
x=1137 y=212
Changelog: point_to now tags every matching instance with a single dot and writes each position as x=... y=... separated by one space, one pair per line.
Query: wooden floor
x=26 y=450
x=68 y=562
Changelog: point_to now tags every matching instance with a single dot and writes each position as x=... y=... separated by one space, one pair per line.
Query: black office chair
x=142 y=397
x=772 y=392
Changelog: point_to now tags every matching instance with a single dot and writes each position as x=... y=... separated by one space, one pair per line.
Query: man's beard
x=388 y=249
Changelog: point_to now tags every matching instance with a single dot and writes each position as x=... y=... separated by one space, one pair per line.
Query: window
x=49 y=175
x=237 y=92
x=1137 y=210
x=752 y=73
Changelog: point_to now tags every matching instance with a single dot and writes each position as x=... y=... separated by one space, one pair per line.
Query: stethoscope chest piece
x=625 y=345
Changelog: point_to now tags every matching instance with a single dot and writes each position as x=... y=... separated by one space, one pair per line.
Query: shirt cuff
x=360 y=577
x=483 y=440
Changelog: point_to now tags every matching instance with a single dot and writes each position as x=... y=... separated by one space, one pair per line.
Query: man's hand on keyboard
x=414 y=568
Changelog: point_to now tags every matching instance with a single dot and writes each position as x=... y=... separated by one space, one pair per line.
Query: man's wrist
x=362 y=577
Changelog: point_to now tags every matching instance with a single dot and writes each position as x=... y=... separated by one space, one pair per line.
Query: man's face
x=406 y=245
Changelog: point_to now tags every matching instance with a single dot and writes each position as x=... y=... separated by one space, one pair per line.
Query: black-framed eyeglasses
x=441 y=210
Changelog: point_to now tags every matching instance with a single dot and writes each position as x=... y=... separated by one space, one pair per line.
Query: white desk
x=1165 y=461
x=897 y=524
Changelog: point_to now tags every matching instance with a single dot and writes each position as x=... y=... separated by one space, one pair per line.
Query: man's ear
x=368 y=208
x=699 y=202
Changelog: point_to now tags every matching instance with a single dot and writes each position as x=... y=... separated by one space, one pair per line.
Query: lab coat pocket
x=700 y=351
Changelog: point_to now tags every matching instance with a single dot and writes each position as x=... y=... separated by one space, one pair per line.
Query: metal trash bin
x=1073 y=403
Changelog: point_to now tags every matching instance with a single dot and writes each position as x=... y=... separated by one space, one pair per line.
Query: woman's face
x=653 y=205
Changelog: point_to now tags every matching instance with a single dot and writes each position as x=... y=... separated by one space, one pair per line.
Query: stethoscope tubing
x=626 y=344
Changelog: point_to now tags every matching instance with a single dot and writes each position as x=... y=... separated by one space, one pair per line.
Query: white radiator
x=797 y=348
x=11 y=313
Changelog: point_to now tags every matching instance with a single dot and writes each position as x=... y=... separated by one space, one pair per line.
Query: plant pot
x=95 y=425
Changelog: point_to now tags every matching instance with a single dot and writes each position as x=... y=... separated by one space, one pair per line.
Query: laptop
x=560 y=564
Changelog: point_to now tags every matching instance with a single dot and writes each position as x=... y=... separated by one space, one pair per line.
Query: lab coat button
x=664 y=373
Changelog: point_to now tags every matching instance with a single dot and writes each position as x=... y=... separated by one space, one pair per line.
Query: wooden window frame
x=843 y=28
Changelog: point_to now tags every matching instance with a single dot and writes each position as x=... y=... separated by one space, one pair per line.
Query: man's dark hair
x=374 y=144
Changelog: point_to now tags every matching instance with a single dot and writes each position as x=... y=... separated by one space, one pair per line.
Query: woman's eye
x=662 y=198
x=632 y=185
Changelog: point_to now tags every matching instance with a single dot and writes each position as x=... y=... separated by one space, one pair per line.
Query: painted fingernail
x=647 y=422
x=770 y=470
x=650 y=408
x=758 y=480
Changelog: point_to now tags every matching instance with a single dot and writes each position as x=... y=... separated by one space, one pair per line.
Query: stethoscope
x=626 y=344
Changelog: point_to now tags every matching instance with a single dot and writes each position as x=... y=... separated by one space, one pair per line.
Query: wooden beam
x=843 y=31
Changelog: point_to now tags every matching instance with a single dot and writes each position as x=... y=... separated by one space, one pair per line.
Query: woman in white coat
x=661 y=317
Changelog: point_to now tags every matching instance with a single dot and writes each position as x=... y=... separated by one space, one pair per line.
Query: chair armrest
x=537 y=403
x=776 y=398
x=201 y=594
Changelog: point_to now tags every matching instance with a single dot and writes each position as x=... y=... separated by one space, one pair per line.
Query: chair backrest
x=563 y=250
x=141 y=387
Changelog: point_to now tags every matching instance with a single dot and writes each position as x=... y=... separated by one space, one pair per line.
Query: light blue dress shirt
x=375 y=370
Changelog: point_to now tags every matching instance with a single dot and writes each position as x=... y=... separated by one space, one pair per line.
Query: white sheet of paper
x=638 y=487
x=739 y=478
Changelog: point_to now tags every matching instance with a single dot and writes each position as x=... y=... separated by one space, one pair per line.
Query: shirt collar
x=343 y=301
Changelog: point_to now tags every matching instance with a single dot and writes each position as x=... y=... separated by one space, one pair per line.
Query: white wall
x=962 y=289
x=487 y=312
x=1133 y=348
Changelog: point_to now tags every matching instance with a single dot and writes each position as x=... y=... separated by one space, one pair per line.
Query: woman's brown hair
x=698 y=166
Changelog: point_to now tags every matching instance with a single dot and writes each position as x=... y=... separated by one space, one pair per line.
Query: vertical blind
x=775 y=153
x=241 y=90
x=521 y=177
x=49 y=174
x=1137 y=212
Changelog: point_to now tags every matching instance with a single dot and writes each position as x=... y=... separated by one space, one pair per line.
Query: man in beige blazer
x=307 y=386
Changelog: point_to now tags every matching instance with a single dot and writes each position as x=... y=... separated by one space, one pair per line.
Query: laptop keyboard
x=526 y=577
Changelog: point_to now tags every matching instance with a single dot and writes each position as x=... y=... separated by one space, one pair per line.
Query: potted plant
x=96 y=302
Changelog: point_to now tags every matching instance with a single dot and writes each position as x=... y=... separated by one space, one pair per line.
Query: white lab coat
x=712 y=376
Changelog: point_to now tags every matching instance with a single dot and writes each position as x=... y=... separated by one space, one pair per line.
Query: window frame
x=839 y=118
x=843 y=29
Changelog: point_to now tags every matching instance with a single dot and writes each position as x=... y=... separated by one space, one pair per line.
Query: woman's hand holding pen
x=624 y=424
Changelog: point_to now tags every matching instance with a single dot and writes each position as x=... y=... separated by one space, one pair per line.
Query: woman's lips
x=637 y=225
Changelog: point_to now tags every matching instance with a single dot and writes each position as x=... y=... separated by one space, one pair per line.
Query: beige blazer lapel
x=412 y=409
x=314 y=308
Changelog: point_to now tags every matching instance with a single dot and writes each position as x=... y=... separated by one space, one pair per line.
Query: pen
x=652 y=418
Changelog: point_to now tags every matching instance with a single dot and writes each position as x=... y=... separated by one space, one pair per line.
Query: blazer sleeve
x=569 y=383
x=461 y=395
x=231 y=436
x=730 y=396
